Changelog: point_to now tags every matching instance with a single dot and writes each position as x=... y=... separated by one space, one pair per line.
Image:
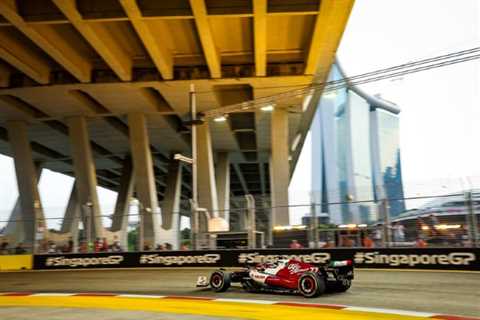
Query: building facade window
x=355 y=155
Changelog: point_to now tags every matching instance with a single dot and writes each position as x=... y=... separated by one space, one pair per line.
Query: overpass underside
x=98 y=90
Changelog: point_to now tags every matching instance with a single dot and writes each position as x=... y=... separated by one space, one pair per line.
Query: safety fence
x=438 y=221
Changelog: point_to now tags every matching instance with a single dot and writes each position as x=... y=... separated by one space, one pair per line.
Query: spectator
x=345 y=241
x=65 y=248
x=168 y=246
x=116 y=247
x=328 y=244
x=420 y=243
x=83 y=247
x=398 y=232
x=104 y=246
x=464 y=237
x=19 y=249
x=377 y=235
x=98 y=245
x=432 y=223
x=52 y=247
x=184 y=247
x=4 y=247
x=161 y=247
x=367 y=242
x=116 y=242
x=70 y=244
x=295 y=245
x=420 y=224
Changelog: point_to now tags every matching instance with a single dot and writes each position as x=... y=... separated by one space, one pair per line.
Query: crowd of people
x=102 y=245
x=6 y=248
x=99 y=245
x=426 y=232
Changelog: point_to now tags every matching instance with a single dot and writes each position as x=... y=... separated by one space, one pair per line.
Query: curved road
x=440 y=292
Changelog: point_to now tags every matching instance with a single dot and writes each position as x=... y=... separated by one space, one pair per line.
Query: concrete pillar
x=85 y=176
x=72 y=212
x=144 y=177
x=279 y=167
x=31 y=209
x=170 y=231
x=14 y=227
x=222 y=175
x=122 y=206
x=207 y=189
x=71 y=219
x=171 y=200
x=251 y=225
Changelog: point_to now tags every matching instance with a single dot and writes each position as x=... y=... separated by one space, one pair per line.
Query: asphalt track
x=440 y=292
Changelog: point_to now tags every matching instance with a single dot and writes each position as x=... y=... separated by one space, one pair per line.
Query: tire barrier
x=394 y=258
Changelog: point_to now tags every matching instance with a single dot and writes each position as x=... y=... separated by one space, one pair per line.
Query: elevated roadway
x=99 y=91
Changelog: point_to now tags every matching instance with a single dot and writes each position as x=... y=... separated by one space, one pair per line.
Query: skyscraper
x=355 y=155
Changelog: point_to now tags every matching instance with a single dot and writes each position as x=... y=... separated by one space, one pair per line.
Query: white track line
x=392 y=311
x=52 y=294
x=140 y=296
x=246 y=301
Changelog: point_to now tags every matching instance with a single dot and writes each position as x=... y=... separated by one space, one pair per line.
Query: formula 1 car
x=285 y=276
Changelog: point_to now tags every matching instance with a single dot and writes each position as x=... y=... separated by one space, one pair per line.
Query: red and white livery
x=290 y=276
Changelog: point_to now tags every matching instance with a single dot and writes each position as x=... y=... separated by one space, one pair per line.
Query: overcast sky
x=439 y=122
x=440 y=108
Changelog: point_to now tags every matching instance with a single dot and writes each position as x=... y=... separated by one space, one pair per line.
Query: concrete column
x=207 y=190
x=222 y=175
x=31 y=209
x=71 y=219
x=72 y=212
x=171 y=199
x=14 y=227
x=251 y=225
x=170 y=230
x=144 y=177
x=85 y=176
x=279 y=167
x=122 y=206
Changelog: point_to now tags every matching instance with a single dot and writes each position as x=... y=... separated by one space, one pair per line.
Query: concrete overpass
x=98 y=90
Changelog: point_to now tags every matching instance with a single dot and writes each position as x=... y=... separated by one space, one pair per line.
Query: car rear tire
x=220 y=281
x=311 y=285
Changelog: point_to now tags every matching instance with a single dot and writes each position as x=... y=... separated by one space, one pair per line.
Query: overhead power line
x=368 y=77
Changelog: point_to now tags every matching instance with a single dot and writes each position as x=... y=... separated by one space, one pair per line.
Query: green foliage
x=132 y=240
x=186 y=233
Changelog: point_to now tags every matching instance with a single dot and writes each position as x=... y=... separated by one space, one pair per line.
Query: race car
x=285 y=276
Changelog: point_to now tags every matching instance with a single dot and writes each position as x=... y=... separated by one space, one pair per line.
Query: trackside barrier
x=397 y=258
x=16 y=262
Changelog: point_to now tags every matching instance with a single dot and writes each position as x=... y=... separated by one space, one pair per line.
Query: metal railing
x=442 y=221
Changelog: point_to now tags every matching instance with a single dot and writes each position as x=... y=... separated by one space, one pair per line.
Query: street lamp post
x=193 y=161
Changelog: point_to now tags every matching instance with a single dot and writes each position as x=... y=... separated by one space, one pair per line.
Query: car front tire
x=220 y=281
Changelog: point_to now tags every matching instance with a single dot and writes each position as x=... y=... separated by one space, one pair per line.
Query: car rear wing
x=340 y=263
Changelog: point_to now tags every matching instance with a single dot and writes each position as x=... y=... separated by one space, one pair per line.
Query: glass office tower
x=355 y=155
